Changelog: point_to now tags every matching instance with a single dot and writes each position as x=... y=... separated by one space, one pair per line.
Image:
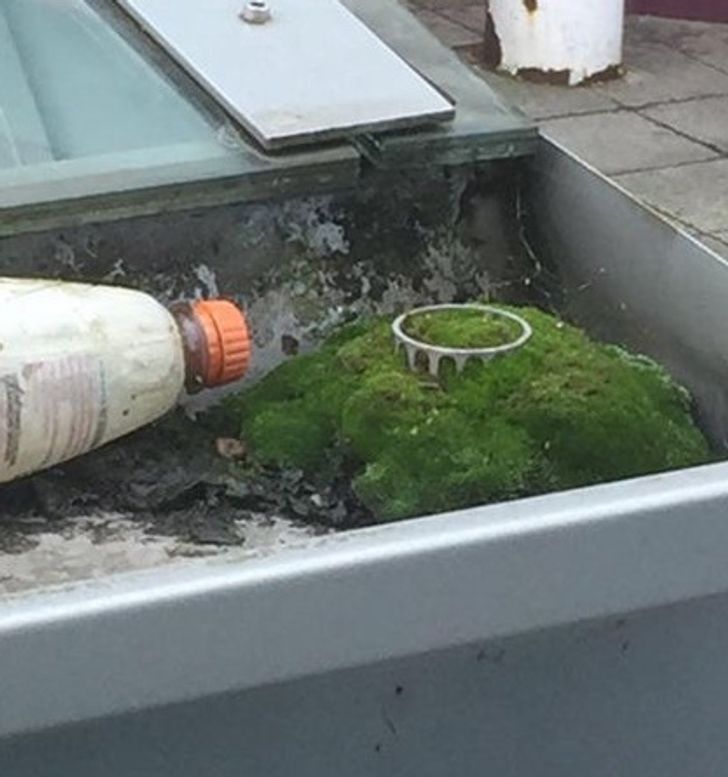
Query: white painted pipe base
x=565 y=41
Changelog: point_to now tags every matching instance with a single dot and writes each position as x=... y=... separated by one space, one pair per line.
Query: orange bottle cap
x=227 y=339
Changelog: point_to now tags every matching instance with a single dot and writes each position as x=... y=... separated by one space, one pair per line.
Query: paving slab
x=704 y=41
x=661 y=131
x=719 y=245
x=449 y=32
x=710 y=46
x=544 y=101
x=658 y=73
x=621 y=141
x=471 y=16
x=705 y=119
x=695 y=195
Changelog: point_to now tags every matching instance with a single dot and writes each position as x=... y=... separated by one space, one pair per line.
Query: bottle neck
x=216 y=342
x=194 y=346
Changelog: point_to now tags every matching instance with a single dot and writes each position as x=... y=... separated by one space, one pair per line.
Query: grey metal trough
x=580 y=633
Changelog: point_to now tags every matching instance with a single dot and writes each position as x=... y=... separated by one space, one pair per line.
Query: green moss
x=462 y=329
x=560 y=412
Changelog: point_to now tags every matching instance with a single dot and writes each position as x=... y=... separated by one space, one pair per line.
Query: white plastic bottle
x=81 y=365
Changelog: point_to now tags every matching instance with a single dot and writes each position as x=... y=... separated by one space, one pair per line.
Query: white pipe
x=566 y=41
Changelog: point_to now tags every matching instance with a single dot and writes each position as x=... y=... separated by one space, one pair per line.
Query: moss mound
x=561 y=412
x=462 y=329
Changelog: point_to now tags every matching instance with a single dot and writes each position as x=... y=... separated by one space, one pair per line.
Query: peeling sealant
x=304 y=266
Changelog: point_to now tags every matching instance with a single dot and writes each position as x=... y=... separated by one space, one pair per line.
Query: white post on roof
x=557 y=41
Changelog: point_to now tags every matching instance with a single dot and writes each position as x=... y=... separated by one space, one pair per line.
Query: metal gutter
x=131 y=643
x=630 y=276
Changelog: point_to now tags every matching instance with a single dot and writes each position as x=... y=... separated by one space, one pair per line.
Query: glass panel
x=76 y=100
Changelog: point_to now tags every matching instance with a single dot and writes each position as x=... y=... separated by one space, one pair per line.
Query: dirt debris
x=170 y=480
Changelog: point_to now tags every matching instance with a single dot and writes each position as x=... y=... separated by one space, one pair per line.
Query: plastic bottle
x=81 y=365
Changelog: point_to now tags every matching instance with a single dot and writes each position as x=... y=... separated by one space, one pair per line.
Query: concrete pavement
x=661 y=131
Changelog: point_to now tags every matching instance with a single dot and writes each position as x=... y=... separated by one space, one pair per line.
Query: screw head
x=256 y=12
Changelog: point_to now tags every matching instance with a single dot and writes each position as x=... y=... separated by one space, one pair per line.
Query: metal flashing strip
x=313 y=72
x=360 y=598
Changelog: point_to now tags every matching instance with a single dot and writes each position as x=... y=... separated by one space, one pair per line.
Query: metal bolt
x=256 y=12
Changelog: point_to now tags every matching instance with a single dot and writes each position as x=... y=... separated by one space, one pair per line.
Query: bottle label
x=61 y=403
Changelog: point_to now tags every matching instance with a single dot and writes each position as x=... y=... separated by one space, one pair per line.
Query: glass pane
x=76 y=99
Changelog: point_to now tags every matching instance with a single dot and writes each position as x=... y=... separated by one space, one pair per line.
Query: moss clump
x=561 y=412
x=462 y=329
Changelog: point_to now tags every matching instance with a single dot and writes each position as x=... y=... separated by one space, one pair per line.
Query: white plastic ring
x=435 y=353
